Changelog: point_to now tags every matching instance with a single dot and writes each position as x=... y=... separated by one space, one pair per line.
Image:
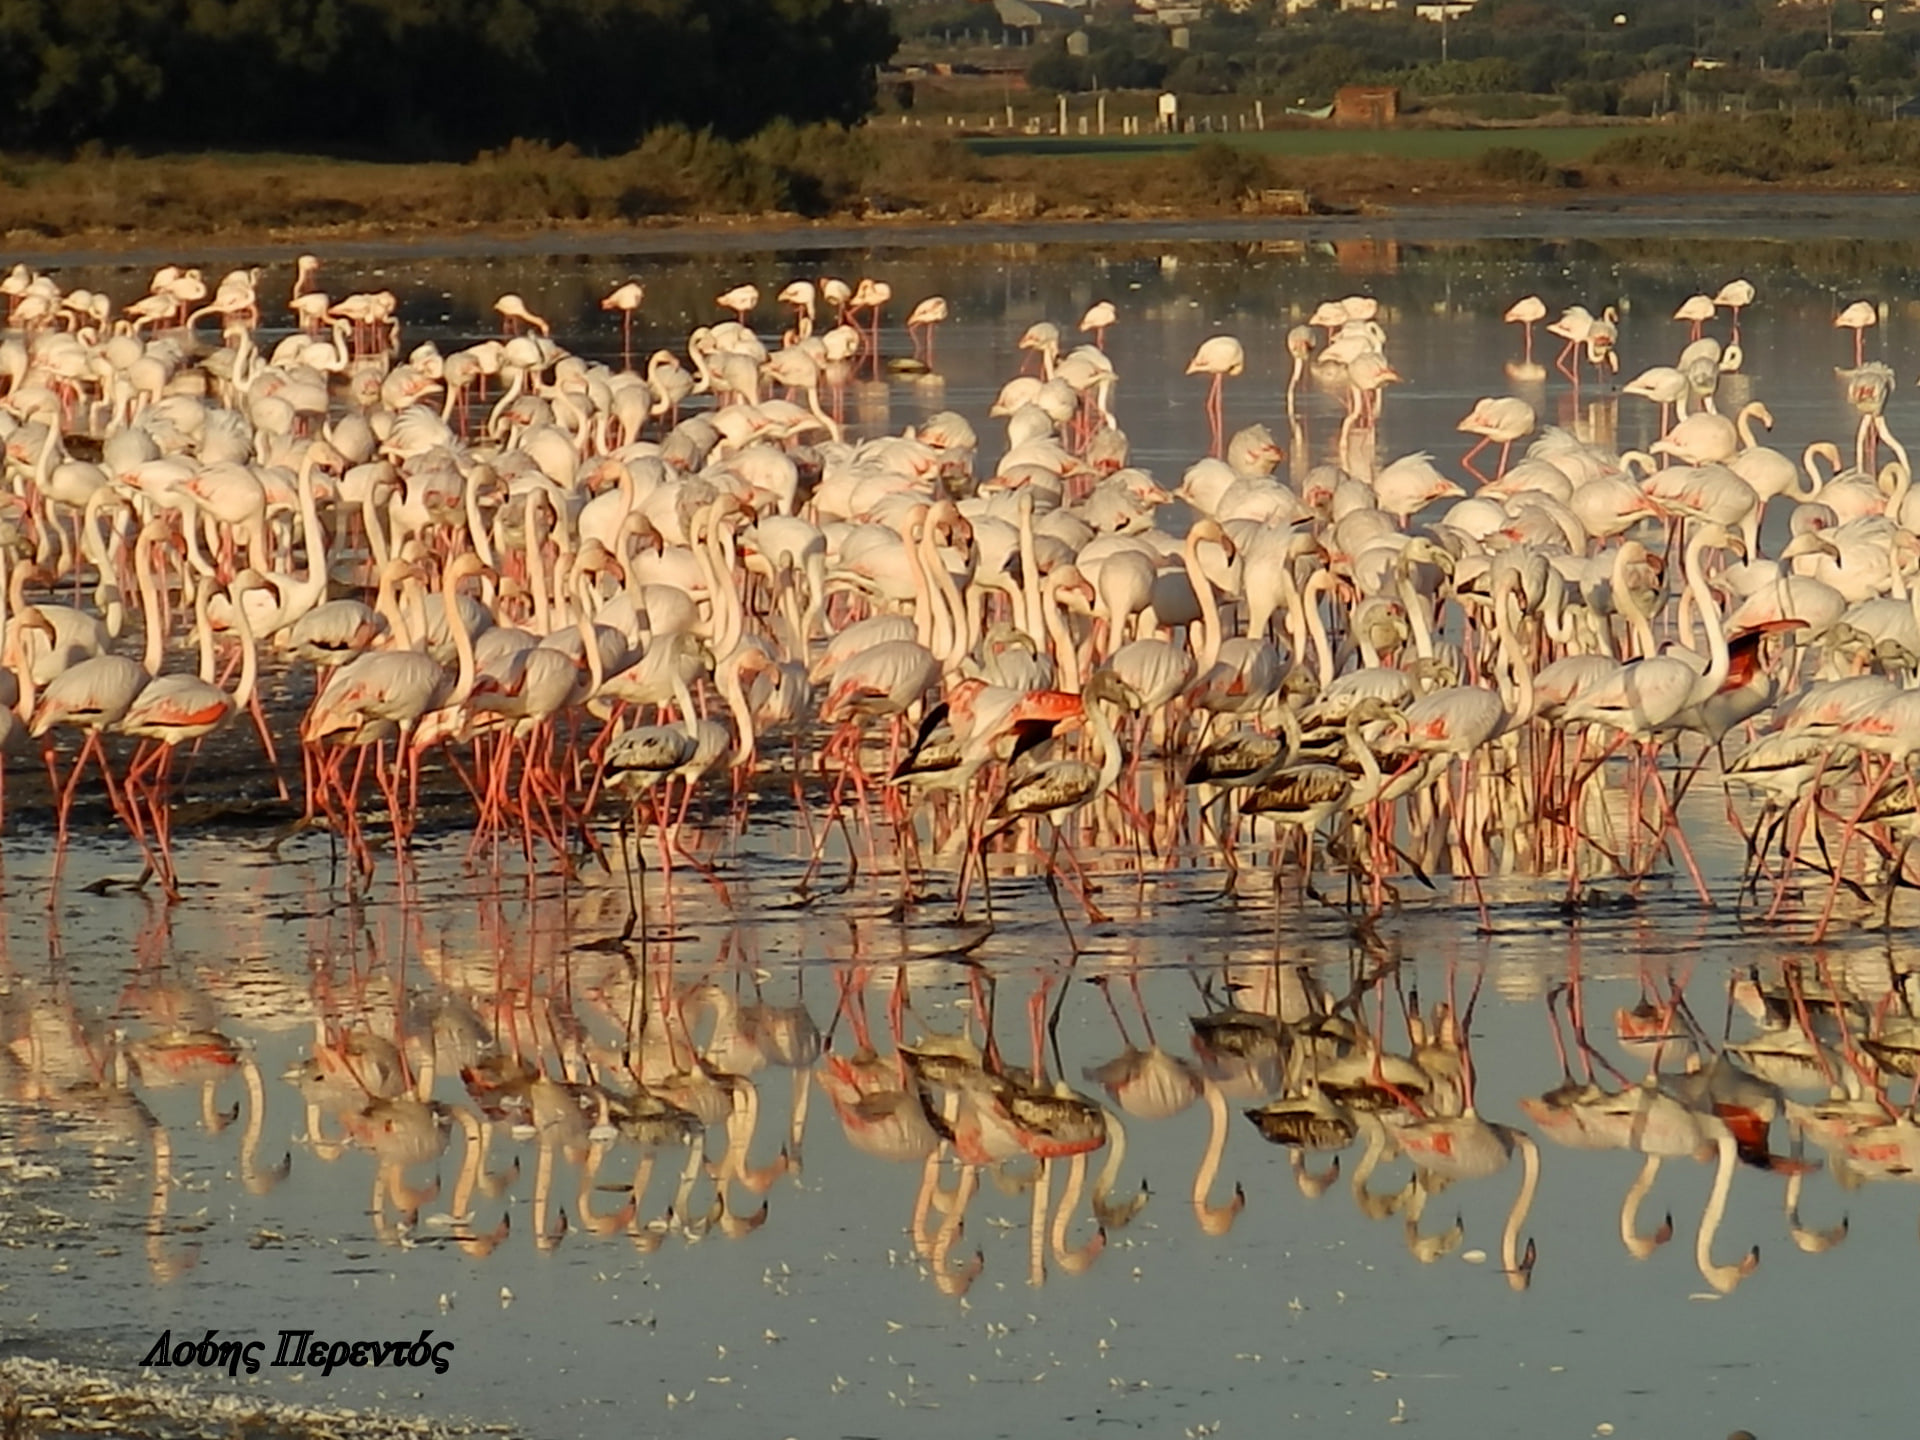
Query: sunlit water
x=1342 y=1300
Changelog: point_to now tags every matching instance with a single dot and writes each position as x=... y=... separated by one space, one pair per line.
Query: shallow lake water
x=803 y=1269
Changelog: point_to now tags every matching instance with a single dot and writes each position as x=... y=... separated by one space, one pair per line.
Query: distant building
x=1446 y=10
x=1366 y=105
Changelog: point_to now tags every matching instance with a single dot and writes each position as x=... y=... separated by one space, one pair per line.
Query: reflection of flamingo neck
x=1074 y=1262
x=741 y=1124
x=1519 y=1267
x=1310 y=1184
x=1374 y=1207
x=1113 y=1216
x=1641 y=1246
x=689 y=1174
x=956 y=1282
x=470 y=1161
x=258 y=1182
x=1722 y=1278
x=1428 y=1249
x=1812 y=1242
x=583 y=1197
x=1215 y=1219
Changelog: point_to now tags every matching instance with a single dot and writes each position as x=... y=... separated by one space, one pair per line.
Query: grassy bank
x=880 y=173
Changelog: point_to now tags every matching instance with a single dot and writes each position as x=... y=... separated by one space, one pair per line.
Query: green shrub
x=1223 y=173
x=1515 y=165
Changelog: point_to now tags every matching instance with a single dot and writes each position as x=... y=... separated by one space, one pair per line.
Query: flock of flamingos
x=580 y=594
x=596 y=593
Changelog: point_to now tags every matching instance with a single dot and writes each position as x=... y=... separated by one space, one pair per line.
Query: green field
x=1560 y=144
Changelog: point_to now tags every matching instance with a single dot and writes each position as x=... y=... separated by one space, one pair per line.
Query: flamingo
x=1526 y=312
x=742 y=300
x=1043 y=339
x=94 y=695
x=626 y=299
x=1857 y=317
x=1063 y=786
x=803 y=295
x=1098 y=320
x=1574 y=326
x=1735 y=295
x=1300 y=349
x=870 y=295
x=514 y=313
x=1695 y=311
x=173 y=709
x=1219 y=356
x=1666 y=386
x=386 y=693
x=308 y=302
x=1505 y=418
x=638 y=761
x=927 y=314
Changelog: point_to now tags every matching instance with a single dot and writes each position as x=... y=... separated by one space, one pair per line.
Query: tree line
x=419 y=79
x=1602 y=56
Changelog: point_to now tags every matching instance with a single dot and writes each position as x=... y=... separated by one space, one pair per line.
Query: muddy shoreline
x=1784 y=213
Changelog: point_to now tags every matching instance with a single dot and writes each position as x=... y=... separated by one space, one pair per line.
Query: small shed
x=1366 y=105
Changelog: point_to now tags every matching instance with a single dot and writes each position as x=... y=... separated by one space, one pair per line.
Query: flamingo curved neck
x=1719 y=662
x=727 y=676
x=1520 y=704
x=1372 y=780
x=1415 y=605
x=1210 y=636
x=462 y=644
x=1639 y=619
x=949 y=607
x=156 y=638
x=1109 y=743
x=537 y=560
x=1066 y=656
x=1316 y=625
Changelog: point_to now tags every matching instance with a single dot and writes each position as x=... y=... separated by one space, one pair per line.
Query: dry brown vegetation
x=823 y=173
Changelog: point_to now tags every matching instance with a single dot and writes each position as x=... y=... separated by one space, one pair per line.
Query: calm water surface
x=852 y=1290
